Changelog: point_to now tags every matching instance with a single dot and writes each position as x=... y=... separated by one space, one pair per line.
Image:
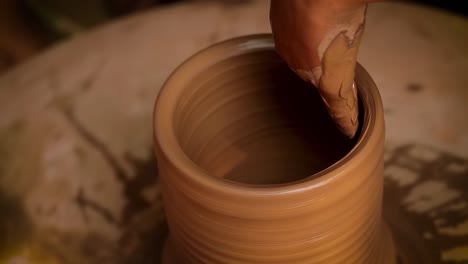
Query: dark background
x=29 y=26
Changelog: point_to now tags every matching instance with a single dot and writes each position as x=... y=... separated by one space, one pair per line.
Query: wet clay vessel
x=253 y=170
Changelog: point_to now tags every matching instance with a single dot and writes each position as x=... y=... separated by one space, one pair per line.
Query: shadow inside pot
x=250 y=119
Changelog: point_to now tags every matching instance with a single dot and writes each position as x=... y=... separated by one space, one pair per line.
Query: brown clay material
x=320 y=42
x=253 y=170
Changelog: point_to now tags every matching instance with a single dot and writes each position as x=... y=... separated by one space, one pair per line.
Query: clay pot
x=253 y=170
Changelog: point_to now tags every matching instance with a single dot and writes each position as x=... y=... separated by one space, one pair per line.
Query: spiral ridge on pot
x=253 y=170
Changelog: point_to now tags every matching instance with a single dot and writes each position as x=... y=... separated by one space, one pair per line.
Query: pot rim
x=167 y=144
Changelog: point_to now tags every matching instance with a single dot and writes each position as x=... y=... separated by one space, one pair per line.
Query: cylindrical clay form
x=253 y=170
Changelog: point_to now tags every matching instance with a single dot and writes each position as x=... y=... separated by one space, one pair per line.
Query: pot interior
x=250 y=119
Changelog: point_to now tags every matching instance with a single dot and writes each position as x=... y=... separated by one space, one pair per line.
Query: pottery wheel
x=78 y=181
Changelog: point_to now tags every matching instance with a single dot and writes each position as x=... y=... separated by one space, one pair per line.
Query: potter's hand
x=319 y=40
